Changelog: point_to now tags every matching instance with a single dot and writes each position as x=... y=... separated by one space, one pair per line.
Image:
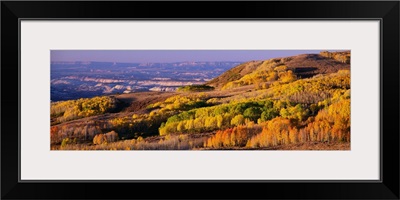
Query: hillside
x=234 y=74
x=303 y=66
x=294 y=103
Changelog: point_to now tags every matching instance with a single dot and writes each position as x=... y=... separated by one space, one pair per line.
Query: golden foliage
x=330 y=125
x=268 y=72
x=74 y=109
x=105 y=138
x=343 y=57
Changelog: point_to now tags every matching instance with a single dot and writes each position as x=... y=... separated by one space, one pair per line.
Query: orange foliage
x=330 y=125
x=53 y=133
x=233 y=137
x=105 y=138
x=275 y=132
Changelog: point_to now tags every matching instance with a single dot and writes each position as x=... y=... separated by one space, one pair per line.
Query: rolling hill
x=304 y=66
x=291 y=103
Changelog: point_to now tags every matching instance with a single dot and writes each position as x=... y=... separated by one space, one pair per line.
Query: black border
x=387 y=11
x=196 y=180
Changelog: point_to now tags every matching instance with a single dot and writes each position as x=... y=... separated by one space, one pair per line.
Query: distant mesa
x=162 y=89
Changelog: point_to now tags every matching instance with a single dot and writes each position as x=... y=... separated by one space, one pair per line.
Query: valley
x=73 y=80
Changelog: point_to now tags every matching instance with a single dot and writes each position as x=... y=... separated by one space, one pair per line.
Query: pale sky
x=140 y=56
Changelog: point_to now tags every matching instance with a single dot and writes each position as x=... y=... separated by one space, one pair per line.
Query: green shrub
x=195 y=88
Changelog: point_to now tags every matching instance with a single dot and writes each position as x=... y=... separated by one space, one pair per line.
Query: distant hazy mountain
x=72 y=80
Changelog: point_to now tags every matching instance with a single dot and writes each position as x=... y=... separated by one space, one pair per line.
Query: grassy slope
x=234 y=74
x=305 y=65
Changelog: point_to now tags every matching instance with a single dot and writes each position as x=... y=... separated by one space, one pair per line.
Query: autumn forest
x=299 y=102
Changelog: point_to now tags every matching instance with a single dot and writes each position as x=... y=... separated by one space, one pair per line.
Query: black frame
x=387 y=12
